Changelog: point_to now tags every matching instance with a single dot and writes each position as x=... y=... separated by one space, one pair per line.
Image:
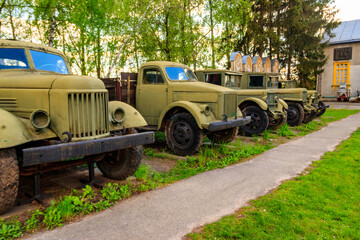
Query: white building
x=343 y=61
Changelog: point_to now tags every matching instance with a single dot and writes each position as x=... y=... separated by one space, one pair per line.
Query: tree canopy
x=103 y=35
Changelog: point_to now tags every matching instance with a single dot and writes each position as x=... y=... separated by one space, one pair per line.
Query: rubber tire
x=320 y=112
x=275 y=124
x=185 y=122
x=262 y=118
x=122 y=163
x=308 y=117
x=9 y=179
x=223 y=136
x=299 y=112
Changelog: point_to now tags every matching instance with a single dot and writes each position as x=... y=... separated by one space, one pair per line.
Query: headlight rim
x=114 y=113
x=33 y=118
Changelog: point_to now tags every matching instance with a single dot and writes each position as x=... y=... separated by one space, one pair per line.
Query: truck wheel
x=9 y=179
x=320 y=112
x=295 y=114
x=308 y=117
x=276 y=123
x=183 y=136
x=223 y=136
x=259 y=121
x=122 y=163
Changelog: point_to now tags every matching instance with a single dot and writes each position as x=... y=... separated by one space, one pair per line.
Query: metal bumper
x=64 y=151
x=229 y=124
x=323 y=107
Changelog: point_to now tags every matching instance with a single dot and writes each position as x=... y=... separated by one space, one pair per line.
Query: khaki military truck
x=264 y=108
x=51 y=119
x=172 y=100
x=312 y=95
x=300 y=110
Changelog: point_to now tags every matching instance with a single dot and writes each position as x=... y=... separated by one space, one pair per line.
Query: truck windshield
x=13 y=58
x=49 y=62
x=179 y=73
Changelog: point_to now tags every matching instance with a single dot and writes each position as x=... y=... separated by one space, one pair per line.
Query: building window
x=341 y=74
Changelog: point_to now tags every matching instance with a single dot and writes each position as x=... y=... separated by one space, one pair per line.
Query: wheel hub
x=255 y=121
x=182 y=134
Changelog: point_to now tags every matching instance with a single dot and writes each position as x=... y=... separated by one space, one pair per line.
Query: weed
x=11 y=229
x=266 y=136
x=285 y=131
x=149 y=152
x=52 y=216
x=160 y=137
x=34 y=221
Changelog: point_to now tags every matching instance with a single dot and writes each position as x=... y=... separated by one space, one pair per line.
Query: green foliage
x=113 y=192
x=321 y=204
x=149 y=152
x=10 y=230
x=266 y=134
x=285 y=131
x=160 y=137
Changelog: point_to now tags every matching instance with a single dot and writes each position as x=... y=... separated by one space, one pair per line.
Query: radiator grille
x=88 y=114
x=230 y=104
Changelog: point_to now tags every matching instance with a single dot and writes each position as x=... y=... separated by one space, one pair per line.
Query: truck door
x=151 y=94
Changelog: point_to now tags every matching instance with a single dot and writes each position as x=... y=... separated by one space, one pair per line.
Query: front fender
x=283 y=103
x=12 y=130
x=261 y=103
x=132 y=117
x=193 y=108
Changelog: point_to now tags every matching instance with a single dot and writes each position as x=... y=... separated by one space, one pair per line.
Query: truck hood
x=199 y=87
x=47 y=80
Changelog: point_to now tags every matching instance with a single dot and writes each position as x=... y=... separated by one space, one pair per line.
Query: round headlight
x=40 y=119
x=118 y=115
x=207 y=111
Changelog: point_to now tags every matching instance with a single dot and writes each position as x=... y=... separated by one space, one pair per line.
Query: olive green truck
x=262 y=105
x=300 y=107
x=313 y=96
x=51 y=119
x=171 y=99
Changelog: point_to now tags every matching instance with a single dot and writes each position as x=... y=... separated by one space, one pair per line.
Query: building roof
x=346 y=32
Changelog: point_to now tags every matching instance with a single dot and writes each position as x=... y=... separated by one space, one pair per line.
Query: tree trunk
x=12 y=24
x=212 y=35
x=52 y=28
x=98 y=53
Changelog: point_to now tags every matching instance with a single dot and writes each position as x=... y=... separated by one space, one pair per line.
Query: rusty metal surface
x=64 y=151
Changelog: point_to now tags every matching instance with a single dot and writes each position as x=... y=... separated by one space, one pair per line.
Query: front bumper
x=277 y=114
x=319 y=108
x=64 y=151
x=308 y=109
x=216 y=126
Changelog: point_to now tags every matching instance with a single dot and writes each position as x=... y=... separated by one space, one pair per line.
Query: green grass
x=324 y=204
x=87 y=200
